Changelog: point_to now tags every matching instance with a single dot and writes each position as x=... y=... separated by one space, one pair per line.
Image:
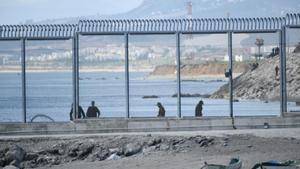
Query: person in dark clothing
x=93 y=110
x=254 y=66
x=161 y=111
x=276 y=71
x=199 y=108
x=80 y=113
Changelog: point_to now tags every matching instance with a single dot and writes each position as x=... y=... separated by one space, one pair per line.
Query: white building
x=238 y=58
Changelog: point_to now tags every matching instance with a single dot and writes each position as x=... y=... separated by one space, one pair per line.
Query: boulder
x=10 y=167
x=85 y=149
x=154 y=141
x=150 y=97
x=164 y=147
x=147 y=150
x=100 y=155
x=80 y=150
x=114 y=157
x=131 y=149
x=30 y=156
x=117 y=151
x=47 y=160
x=15 y=156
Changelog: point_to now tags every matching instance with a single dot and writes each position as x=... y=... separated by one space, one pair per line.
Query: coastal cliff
x=198 y=69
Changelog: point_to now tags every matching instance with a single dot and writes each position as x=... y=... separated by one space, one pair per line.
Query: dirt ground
x=160 y=150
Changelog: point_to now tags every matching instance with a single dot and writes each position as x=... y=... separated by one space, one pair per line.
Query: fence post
x=230 y=74
x=127 y=75
x=74 y=75
x=178 y=75
x=77 y=73
x=23 y=62
x=230 y=71
x=283 y=96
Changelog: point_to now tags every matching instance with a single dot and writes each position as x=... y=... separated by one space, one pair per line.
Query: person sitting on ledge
x=161 y=110
x=80 y=113
x=93 y=110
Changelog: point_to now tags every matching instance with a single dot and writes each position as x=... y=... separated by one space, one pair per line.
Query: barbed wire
x=149 y=25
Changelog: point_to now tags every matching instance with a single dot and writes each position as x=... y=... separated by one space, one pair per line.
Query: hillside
x=201 y=8
x=262 y=83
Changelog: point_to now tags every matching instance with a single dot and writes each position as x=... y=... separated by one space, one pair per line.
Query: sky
x=20 y=11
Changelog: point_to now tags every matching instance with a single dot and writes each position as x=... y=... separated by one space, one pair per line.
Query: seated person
x=80 y=113
x=93 y=110
x=161 y=110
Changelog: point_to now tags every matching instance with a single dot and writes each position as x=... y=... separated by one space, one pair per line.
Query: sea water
x=50 y=93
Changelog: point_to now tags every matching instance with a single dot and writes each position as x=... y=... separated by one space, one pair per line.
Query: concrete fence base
x=108 y=125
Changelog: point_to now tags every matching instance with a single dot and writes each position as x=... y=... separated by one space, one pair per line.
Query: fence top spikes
x=149 y=25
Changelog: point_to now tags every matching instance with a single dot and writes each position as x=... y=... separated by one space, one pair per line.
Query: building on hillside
x=239 y=58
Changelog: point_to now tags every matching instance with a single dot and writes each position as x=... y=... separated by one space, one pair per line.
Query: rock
x=150 y=97
x=15 y=163
x=175 y=142
x=154 y=141
x=53 y=151
x=264 y=86
x=183 y=151
x=192 y=95
x=47 y=160
x=164 y=147
x=117 y=151
x=147 y=150
x=235 y=100
x=85 y=149
x=54 y=161
x=114 y=157
x=73 y=149
x=297 y=49
x=204 y=141
x=61 y=151
x=72 y=153
x=225 y=144
x=42 y=160
x=100 y=155
x=2 y=162
x=80 y=150
x=131 y=149
x=15 y=155
x=226 y=139
x=10 y=167
x=3 y=152
x=30 y=156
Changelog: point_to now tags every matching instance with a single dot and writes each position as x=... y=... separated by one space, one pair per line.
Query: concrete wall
x=106 y=125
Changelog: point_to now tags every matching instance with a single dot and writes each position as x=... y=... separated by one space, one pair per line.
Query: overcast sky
x=17 y=11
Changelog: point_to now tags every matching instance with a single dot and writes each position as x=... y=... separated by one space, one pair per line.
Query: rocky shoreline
x=135 y=151
x=39 y=152
x=262 y=82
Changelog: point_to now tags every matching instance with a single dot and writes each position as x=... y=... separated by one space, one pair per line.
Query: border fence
x=176 y=27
